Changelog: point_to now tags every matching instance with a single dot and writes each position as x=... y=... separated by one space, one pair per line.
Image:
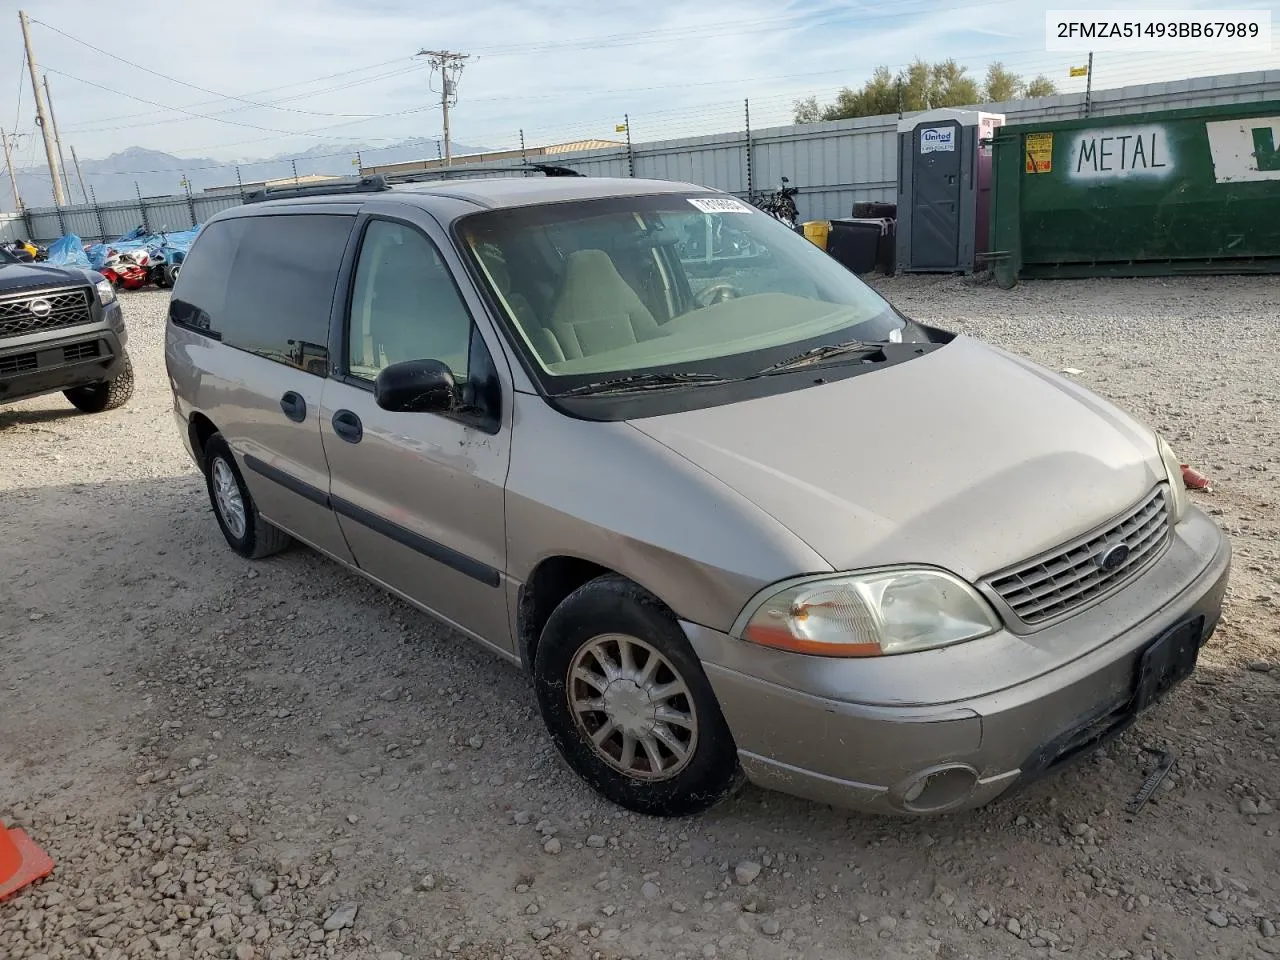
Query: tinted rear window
x=265 y=285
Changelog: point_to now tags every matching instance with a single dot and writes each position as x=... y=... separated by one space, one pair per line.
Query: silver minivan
x=737 y=515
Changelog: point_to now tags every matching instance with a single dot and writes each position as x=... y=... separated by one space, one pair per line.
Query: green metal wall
x=1179 y=191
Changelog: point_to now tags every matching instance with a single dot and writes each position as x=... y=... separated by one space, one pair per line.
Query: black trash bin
x=863 y=245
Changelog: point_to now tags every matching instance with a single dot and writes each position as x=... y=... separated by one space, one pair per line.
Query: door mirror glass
x=416 y=386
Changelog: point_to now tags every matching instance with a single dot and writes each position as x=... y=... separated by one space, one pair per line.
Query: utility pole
x=79 y=175
x=1088 y=86
x=59 y=198
x=13 y=177
x=450 y=65
x=53 y=118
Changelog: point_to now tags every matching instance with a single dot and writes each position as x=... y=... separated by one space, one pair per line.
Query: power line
x=219 y=113
x=22 y=67
x=200 y=116
x=296 y=83
x=184 y=83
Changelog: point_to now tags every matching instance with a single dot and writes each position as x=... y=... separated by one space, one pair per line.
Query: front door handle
x=294 y=407
x=348 y=426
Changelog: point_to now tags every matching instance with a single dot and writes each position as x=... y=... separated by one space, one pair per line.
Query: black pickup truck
x=61 y=330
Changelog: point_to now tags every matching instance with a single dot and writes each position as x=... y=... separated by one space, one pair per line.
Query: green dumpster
x=1179 y=191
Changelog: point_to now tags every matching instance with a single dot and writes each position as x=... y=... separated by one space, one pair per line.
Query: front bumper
x=810 y=739
x=75 y=357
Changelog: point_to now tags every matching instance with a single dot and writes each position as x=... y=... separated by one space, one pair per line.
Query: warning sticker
x=1039 y=152
x=719 y=205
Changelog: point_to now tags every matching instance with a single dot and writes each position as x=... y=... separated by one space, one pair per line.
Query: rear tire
x=233 y=507
x=640 y=725
x=97 y=397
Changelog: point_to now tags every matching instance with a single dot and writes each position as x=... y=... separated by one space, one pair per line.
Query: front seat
x=597 y=311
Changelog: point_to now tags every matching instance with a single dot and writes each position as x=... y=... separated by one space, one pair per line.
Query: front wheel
x=238 y=518
x=97 y=397
x=628 y=705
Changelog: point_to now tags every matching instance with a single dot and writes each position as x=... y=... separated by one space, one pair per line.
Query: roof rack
x=443 y=173
x=371 y=184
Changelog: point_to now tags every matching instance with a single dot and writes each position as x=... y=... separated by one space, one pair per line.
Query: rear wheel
x=628 y=705
x=238 y=518
x=97 y=397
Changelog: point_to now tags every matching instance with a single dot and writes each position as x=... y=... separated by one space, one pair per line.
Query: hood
x=20 y=276
x=966 y=458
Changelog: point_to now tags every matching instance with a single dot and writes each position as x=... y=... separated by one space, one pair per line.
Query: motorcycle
x=26 y=251
x=127 y=271
x=781 y=204
x=166 y=262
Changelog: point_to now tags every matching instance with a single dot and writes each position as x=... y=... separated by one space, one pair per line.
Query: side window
x=201 y=290
x=279 y=290
x=404 y=305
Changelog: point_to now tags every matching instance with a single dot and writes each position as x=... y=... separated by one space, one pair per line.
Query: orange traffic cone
x=21 y=861
x=1194 y=480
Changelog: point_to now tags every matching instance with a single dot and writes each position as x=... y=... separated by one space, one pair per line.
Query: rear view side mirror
x=416 y=386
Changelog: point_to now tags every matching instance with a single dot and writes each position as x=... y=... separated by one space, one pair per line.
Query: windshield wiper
x=850 y=349
x=643 y=381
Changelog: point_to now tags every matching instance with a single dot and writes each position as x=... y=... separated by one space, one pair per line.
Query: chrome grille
x=67 y=308
x=1059 y=583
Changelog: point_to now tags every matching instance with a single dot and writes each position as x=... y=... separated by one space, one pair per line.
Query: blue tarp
x=166 y=247
x=68 y=251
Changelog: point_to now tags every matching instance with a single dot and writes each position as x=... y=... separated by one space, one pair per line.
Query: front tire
x=628 y=705
x=238 y=518
x=97 y=397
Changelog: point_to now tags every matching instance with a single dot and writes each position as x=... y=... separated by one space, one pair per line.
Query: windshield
x=638 y=285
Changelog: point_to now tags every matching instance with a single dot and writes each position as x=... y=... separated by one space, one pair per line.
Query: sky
x=310 y=73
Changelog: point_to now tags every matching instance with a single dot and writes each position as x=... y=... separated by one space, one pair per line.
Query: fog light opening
x=940 y=789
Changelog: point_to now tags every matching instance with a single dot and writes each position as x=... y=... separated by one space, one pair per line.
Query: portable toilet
x=944 y=189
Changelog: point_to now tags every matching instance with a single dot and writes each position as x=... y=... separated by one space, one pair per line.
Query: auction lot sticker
x=719 y=205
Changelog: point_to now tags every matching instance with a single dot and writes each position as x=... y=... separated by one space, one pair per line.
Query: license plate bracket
x=1166 y=663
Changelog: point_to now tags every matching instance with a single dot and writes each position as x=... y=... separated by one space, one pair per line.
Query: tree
x=950 y=87
x=1002 y=84
x=1041 y=86
x=922 y=86
x=807 y=110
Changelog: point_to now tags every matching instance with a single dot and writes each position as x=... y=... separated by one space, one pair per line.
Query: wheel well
x=201 y=429
x=551 y=581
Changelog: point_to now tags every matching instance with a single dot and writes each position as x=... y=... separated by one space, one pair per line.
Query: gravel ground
x=276 y=760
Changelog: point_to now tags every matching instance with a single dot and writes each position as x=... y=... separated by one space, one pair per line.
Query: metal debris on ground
x=1154 y=779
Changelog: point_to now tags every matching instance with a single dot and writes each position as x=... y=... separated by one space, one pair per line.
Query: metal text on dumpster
x=1121 y=153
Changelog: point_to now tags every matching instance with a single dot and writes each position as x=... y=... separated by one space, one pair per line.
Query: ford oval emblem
x=1113 y=557
x=40 y=308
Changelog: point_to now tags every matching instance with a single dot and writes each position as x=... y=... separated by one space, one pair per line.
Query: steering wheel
x=716 y=293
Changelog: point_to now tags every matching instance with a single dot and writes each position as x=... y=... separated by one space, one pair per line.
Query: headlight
x=870 y=614
x=106 y=292
x=1173 y=469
